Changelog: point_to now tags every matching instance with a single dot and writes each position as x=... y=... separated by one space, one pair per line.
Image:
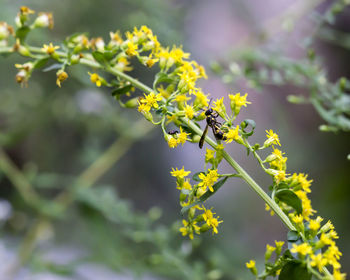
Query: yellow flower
x=232 y=134
x=116 y=37
x=319 y=261
x=209 y=179
x=143 y=108
x=338 y=275
x=302 y=249
x=123 y=64
x=163 y=91
x=332 y=255
x=132 y=49
x=61 y=76
x=151 y=61
x=96 y=79
x=209 y=155
x=180 y=173
x=279 y=245
x=50 y=49
x=270 y=248
x=280 y=175
x=250 y=264
x=214 y=223
x=201 y=99
x=178 y=54
x=151 y=100
x=239 y=100
x=277 y=160
x=182 y=136
x=333 y=234
x=24 y=10
x=305 y=184
x=272 y=138
x=306 y=203
x=325 y=239
x=181 y=98
x=219 y=106
x=172 y=142
x=189 y=228
x=207 y=215
x=298 y=219
x=189 y=111
x=186 y=185
x=315 y=224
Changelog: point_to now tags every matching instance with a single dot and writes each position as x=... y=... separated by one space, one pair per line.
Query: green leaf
x=282 y=186
x=162 y=77
x=294 y=270
x=22 y=32
x=205 y=196
x=120 y=91
x=54 y=66
x=195 y=177
x=293 y=236
x=99 y=57
x=245 y=124
x=40 y=62
x=290 y=198
x=108 y=55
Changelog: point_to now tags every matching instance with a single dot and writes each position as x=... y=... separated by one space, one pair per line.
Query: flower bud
x=183 y=197
x=21 y=49
x=148 y=116
x=269 y=250
x=196 y=138
x=205 y=227
x=75 y=58
x=5 y=31
x=61 y=76
x=44 y=20
x=270 y=158
x=132 y=103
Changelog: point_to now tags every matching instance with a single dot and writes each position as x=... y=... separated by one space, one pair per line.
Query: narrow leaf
x=41 y=62
x=53 y=67
x=290 y=198
x=99 y=57
x=122 y=90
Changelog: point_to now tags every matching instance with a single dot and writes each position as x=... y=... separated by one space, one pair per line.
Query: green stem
x=18 y=180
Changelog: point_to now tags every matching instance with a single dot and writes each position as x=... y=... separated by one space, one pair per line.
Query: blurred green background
x=111 y=230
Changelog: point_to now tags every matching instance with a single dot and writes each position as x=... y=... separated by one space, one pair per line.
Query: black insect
x=211 y=118
x=173 y=132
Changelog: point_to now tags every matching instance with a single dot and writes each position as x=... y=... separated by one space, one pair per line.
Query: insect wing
x=201 y=142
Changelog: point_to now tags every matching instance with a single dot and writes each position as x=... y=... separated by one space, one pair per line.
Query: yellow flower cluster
x=300 y=185
x=202 y=222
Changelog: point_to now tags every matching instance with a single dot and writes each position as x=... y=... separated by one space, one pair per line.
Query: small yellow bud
x=61 y=77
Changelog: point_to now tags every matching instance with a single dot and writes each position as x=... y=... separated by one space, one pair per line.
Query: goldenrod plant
x=177 y=106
